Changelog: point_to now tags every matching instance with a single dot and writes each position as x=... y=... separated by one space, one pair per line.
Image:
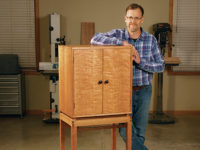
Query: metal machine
x=51 y=69
x=161 y=31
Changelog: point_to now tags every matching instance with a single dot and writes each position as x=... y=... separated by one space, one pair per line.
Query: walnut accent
x=87 y=32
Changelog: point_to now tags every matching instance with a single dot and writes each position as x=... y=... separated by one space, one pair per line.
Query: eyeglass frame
x=133 y=18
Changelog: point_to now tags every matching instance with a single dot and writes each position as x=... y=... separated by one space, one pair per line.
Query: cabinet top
x=94 y=46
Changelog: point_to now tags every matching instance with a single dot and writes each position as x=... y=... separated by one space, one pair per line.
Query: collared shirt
x=151 y=59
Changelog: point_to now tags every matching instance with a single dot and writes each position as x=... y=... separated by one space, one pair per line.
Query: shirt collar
x=142 y=35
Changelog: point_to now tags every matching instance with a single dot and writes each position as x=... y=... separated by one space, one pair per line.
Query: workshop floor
x=31 y=133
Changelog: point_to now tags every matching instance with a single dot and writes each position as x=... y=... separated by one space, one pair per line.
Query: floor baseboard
x=177 y=112
x=181 y=112
x=34 y=112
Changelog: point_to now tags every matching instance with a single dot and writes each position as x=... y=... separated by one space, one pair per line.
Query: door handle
x=106 y=82
x=100 y=82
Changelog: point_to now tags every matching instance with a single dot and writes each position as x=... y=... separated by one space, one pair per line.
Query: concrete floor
x=31 y=133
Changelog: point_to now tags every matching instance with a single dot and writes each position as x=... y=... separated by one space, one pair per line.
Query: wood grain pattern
x=85 y=102
x=73 y=137
x=116 y=69
x=66 y=80
x=172 y=60
x=129 y=134
x=113 y=138
x=94 y=122
x=62 y=134
x=87 y=32
x=87 y=74
x=80 y=70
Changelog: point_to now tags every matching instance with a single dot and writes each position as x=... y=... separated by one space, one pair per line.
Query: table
x=74 y=123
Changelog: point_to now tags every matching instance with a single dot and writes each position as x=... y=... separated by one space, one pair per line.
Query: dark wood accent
x=180 y=112
x=34 y=112
x=171 y=24
x=169 y=68
x=87 y=32
x=31 y=72
x=171 y=72
x=172 y=112
x=37 y=34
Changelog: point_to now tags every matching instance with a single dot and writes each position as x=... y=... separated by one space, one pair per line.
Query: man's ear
x=125 y=18
x=142 y=19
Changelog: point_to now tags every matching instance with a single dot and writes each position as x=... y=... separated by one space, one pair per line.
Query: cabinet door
x=87 y=89
x=117 y=71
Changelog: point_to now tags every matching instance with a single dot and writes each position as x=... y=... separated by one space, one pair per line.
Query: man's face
x=133 y=20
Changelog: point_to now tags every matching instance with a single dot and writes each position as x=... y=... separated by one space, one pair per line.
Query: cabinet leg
x=129 y=135
x=73 y=137
x=113 y=138
x=62 y=135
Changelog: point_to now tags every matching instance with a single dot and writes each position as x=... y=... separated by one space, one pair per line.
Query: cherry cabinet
x=95 y=80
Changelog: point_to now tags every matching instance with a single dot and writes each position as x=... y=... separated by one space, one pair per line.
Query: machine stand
x=161 y=118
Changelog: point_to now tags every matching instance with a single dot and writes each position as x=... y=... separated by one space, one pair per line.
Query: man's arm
x=156 y=64
x=113 y=37
x=109 y=38
x=135 y=55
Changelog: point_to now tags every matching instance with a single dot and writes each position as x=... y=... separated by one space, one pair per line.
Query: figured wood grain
x=117 y=70
x=80 y=70
x=84 y=102
x=87 y=74
x=66 y=80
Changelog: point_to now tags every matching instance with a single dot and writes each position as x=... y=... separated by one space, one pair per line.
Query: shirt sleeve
x=109 y=38
x=156 y=62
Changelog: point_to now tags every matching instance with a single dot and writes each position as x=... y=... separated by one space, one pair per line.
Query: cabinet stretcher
x=94 y=121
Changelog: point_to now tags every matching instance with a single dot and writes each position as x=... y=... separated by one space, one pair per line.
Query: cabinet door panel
x=87 y=74
x=117 y=70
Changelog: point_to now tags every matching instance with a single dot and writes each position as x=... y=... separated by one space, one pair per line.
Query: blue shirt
x=151 y=59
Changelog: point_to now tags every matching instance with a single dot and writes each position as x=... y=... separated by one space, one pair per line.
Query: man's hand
x=135 y=54
x=125 y=43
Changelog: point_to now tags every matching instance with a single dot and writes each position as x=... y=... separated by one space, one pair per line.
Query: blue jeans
x=140 y=112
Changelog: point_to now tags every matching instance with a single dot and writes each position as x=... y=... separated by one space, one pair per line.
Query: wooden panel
x=129 y=134
x=73 y=137
x=102 y=120
x=94 y=123
x=37 y=33
x=171 y=5
x=65 y=80
x=117 y=70
x=113 y=138
x=87 y=32
x=62 y=134
x=172 y=60
x=87 y=74
x=66 y=119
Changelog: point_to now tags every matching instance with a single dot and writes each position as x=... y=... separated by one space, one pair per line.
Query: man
x=147 y=59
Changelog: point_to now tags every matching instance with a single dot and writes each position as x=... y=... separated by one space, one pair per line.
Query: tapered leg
x=129 y=134
x=73 y=137
x=113 y=138
x=62 y=135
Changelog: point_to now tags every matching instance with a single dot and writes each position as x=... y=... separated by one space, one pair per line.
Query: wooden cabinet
x=95 y=80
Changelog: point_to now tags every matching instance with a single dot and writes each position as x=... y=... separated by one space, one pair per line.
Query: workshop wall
x=179 y=92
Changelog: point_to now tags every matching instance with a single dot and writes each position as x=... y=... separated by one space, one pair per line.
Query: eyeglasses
x=133 y=18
